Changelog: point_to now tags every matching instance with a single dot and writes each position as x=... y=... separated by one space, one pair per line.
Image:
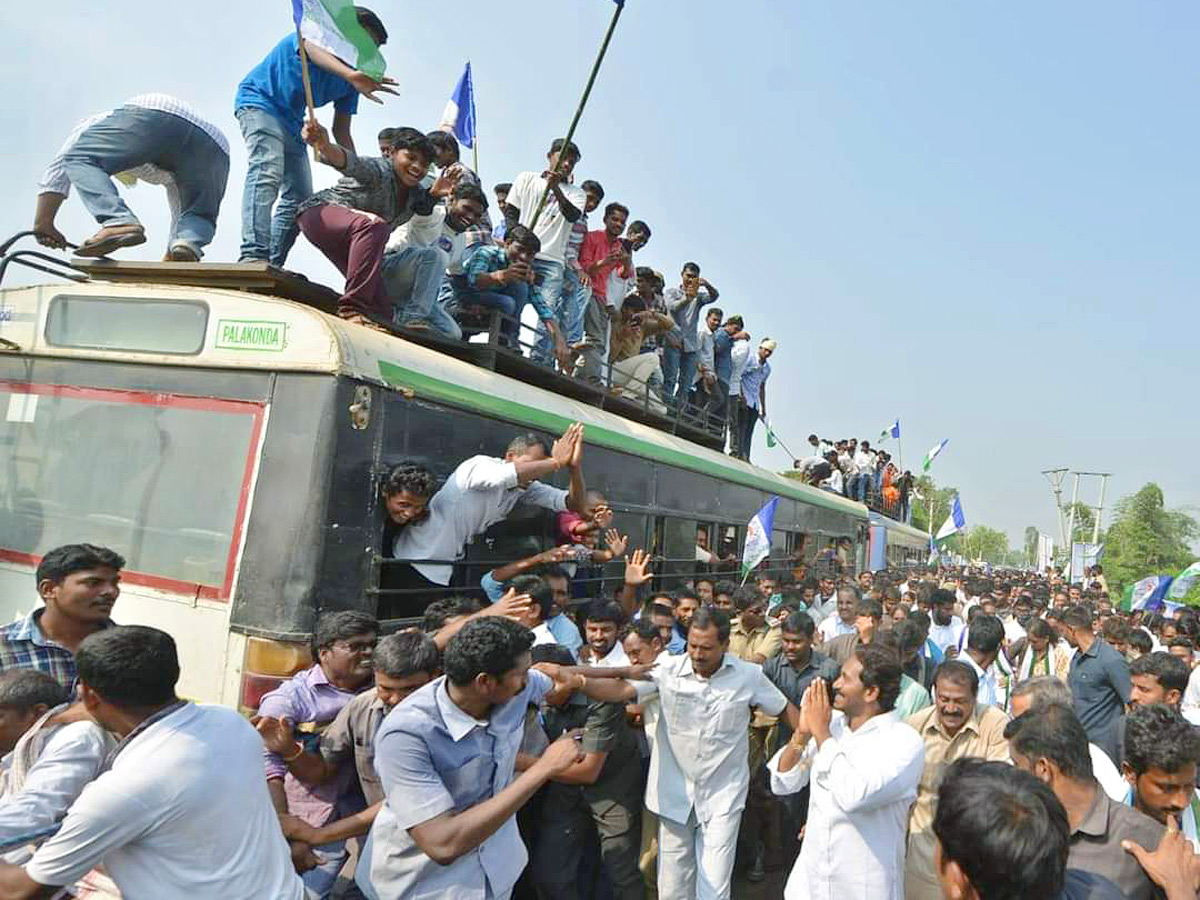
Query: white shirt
x=1191 y=695
x=542 y=635
x=835 y=482
x=862 y=785
x=552 y=229
x=739 y=355
x=833 y=626
x=183 y=812
x=1013 y=631
x=988 y=694
x=704 y=359
x=701 y=736
x=944 y=636
x=478 y=494
x=69 y=759
x=429 y=231
x=616 y=658
x=864 y=461
x=824 y=607
x=1111 y=780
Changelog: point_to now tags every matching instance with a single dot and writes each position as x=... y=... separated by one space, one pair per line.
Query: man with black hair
x=548 y=565
x=78 y=584
x=955 y=727
x=751 y=636
x=1158 y=677
x=180 y=808
x=447 y=159
x=352 y=221
x=446 y=760
x=406 y=491
x=602 y=629
x=607 y=260
x=1050 y=742
x=50 y=756
x=947 y=628
x=404 y=662
x=1002 y=834
x=270 y=107
x=684 y=303
x=862 y=766
x=698 y=775
x=1161 y=752
x=501 y=193
x=599 y=796
x=564 y=204
x=481 y=491
x=421 y=285
x=539 y=610
x=1099 y=681
x=299 y=711
x=732 y=330
x=577 y=289
x=385 y=141
x=984 y=639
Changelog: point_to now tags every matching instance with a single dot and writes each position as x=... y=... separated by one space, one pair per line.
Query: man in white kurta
x=863 y=765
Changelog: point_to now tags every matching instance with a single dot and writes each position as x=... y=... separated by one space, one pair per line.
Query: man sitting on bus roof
x=481 y=492
x=78 y=584
x=343 y=646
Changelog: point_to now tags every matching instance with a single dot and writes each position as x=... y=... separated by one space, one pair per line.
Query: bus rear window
x=163 y=479
x=124 y=323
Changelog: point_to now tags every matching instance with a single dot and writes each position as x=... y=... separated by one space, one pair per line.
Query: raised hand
x=368 y=86
x=616 y=542
x=511 y=606
x=563 y=450
x=637 y=568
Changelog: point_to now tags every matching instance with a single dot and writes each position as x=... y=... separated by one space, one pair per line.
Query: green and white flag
x=333 y=25
x=892 y=431
x=933 y=453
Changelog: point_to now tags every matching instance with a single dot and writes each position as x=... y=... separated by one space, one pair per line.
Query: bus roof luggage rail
x=51 y=265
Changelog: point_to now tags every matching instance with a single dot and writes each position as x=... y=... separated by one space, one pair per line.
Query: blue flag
x=459 y=116
x=758 y=537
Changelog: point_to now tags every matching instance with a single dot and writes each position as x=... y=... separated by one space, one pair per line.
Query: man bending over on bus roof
x=481 y=492
x=343 y=645
x=156 y=138
x=78 y=584
x=351 y=222
x=403 y=662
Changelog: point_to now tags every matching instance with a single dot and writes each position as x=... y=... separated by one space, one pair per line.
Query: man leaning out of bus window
x=343 y=646
x=481 y=492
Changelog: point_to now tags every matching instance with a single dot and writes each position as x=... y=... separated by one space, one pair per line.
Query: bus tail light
x=267 y=665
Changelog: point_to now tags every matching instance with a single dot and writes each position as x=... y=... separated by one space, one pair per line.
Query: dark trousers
x=560 y=843
x=354 y=243
x=737 y=425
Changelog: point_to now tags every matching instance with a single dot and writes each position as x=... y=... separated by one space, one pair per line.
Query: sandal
x=117 y=236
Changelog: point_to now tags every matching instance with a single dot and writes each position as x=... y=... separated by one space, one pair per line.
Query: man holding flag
x=273 y=100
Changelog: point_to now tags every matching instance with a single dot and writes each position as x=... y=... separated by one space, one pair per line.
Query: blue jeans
x=679 y=368
x=861 y=487
x=548 y=284
x=276 y=169
x=510 y=301
x=132 y=136
x=413 y=279
x=576 y=295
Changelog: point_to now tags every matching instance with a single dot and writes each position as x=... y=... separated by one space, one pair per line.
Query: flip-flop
x=107 y=245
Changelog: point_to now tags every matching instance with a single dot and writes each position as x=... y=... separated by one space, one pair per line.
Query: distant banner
x=1083 y=557
x=1045 y=552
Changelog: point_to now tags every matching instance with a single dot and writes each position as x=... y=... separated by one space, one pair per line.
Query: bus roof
x=173 y=324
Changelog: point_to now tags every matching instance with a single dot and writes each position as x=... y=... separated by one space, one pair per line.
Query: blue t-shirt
x=276 y=86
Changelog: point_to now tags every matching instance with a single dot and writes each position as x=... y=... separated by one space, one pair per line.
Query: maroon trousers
x=354 y=243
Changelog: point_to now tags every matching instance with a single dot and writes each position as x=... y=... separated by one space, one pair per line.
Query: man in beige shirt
x=750 y=637
x=953 y=728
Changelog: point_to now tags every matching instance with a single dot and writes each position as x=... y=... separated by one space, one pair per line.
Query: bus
x=229 y=443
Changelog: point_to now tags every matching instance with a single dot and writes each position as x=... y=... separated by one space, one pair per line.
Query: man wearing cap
x=754 y=392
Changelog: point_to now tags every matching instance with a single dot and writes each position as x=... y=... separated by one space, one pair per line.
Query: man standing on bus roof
x=269 y=107
x=343 y=646
x=481 y=492
x=78 y=584
x=754 y=391
x=156 y=138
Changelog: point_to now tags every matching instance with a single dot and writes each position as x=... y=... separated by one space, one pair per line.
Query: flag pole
x=308 y=97
x=475 y=153
x=582 y=102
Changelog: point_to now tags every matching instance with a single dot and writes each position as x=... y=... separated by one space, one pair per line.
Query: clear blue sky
x=977 y=217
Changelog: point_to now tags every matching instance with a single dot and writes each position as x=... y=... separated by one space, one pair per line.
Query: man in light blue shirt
x=754 y=392
x=547 y=564
x=685 y=303
x=446 y=759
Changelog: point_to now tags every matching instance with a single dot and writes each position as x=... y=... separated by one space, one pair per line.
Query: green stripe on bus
x=401 y=377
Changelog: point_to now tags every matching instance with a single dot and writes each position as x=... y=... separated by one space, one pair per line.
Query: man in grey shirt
x=1049 y=741
x=684 y=303
x=1099 y=681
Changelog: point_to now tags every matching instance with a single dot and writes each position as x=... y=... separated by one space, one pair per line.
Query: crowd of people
x=851 y=468
x=419 y=242
x=926 y=733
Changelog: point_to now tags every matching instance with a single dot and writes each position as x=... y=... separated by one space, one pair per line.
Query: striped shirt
x=55 y=181
x=23 y=645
